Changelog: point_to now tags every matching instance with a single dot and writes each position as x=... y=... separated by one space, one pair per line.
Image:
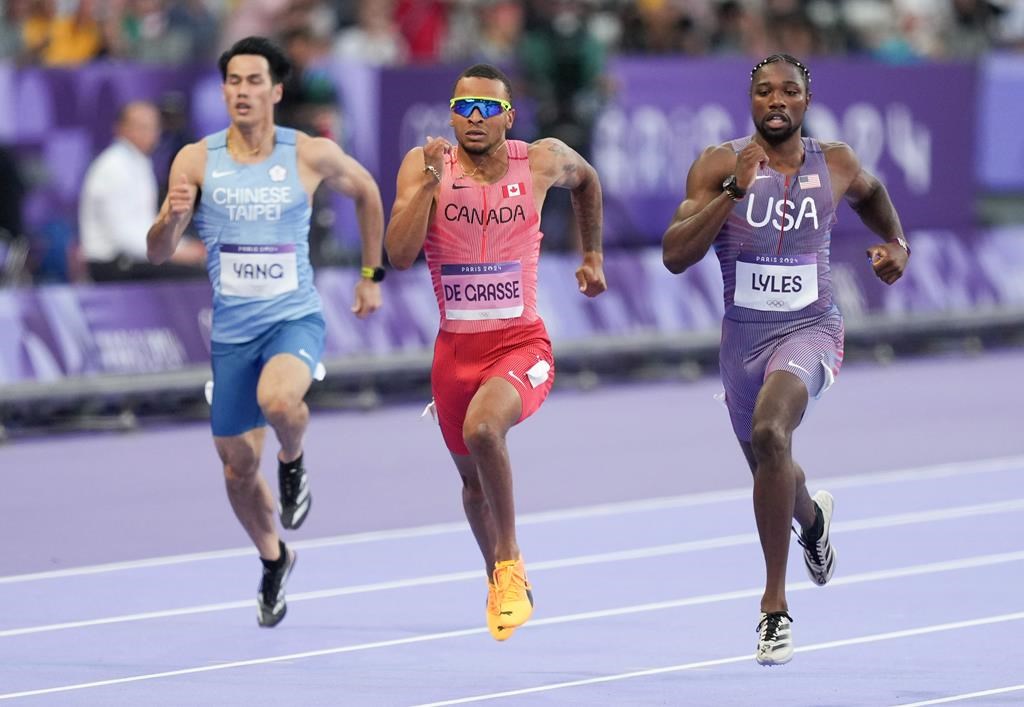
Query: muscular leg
x=248 y=491
x=478 y=512
x=777 y=479
x=495 y=407
x=283 y=384
x=803 y=506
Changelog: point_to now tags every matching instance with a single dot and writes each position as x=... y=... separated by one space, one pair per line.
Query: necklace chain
x=250 y=153
x=466 y=175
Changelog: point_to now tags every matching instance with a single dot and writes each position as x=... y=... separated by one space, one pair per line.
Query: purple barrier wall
x=897 y=119
x=663 y=112
x=58 y=331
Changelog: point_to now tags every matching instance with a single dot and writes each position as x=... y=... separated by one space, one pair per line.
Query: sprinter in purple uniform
x=767 y=204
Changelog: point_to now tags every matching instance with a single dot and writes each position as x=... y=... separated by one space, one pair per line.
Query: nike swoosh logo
x=516 y=377
x=462 y=186
x=305 y=354
x=216 y=173
x=795 y=365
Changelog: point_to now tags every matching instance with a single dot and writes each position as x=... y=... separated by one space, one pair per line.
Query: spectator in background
x=12 y=17
x=64 y=37
x=501 y=30
x=562 y=65
x=424 y=27
x=375 y=38
x=119 y=202
x=163 y=31
x=310 y=104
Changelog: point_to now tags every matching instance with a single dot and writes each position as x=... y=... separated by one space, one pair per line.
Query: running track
x=129 y=583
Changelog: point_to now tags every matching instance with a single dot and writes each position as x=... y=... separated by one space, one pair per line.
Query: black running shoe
x=270 y=603
x=295 y=498
x=819 y=555
x=775 y=638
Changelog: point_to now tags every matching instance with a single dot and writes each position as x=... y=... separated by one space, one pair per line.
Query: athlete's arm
x=185 y=179
x=706 y=207
x=555 y=164
x=870 y=199
x=342 y=173
x=415 y=194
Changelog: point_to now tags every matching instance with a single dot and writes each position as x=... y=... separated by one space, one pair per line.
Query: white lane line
x=859 y=640
x=640 y=553
x=923 y=473
x=964 y=696
x=866 y=577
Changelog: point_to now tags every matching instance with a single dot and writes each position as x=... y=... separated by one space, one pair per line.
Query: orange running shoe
x=498 y=633
x=512 y=590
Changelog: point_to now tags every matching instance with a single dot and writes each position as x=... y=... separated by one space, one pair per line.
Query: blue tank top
x=254 y=221
x=774 y=246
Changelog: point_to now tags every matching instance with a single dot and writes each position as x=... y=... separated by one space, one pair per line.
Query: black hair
x=804 y=71
x=486 y=71
x=278 y=62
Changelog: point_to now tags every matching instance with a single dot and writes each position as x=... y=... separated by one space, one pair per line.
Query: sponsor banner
x=59 y=331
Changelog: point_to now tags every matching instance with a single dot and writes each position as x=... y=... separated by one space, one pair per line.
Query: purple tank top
x=774 y=246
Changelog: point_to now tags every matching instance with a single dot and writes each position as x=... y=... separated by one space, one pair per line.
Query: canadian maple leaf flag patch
x=516 y=189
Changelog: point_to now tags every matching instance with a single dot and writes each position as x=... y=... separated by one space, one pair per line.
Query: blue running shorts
x=237 y=369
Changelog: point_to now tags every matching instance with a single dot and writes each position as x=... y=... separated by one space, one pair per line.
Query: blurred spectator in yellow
x=63 y=38
x=119 y=202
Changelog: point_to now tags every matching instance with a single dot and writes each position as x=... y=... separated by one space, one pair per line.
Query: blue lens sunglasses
x=488 y=107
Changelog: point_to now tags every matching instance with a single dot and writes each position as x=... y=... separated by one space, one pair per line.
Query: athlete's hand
x=367 y=298
x=434 y=151
x=590 y=275
x=749 y=159
x=181 y=198
x=888 y=260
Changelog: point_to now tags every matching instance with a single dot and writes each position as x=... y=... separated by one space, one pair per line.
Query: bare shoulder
x=839 y=155
x=547 y=144
x=714 y=164
x=191 y=160
x=315 y=148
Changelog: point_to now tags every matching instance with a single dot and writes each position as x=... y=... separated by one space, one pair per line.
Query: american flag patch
x=516 y=189
x=809 y=181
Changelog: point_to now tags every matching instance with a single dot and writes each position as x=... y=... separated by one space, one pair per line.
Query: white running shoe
x=819 y=555
x=775 y=638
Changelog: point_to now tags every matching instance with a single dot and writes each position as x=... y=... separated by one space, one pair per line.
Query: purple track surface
x=128 y=581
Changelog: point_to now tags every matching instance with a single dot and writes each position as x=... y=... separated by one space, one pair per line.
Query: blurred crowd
x=559 y=48
x=399 y=32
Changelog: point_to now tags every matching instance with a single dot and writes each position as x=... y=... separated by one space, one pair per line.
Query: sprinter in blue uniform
x=249 y=189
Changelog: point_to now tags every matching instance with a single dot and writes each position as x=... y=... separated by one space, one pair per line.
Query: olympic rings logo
x=777 y=303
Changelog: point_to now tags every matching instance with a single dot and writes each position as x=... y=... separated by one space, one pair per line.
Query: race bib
x=776 y=283
x=482 y=290
x=258 y=270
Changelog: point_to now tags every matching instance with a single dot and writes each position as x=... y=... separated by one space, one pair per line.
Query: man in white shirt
x=119 y=202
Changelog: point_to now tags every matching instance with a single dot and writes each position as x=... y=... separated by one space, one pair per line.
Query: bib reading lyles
x=776 y=283
x=258 y=270
x=482 y=290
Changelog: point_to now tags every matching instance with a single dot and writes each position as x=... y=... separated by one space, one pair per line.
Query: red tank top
x=482 y=247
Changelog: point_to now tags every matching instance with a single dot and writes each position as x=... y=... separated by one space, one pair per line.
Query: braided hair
x=804 y=71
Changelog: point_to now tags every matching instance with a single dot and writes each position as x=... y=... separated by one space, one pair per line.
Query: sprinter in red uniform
x=474 y=208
